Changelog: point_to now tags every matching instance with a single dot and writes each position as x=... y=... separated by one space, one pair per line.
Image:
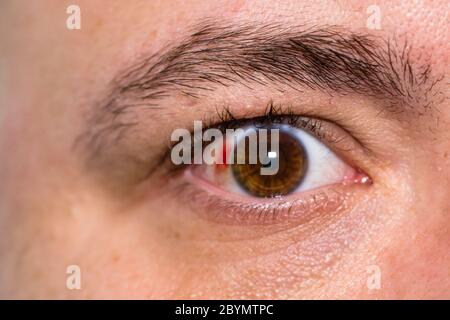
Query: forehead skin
x=50 y=76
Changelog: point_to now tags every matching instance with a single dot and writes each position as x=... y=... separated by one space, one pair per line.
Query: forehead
x=141 y=23
x=153 y=24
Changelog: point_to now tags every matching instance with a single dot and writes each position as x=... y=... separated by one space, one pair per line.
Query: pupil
x=292 y=163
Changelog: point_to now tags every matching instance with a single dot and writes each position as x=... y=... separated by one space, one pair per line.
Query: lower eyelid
x=235 y=210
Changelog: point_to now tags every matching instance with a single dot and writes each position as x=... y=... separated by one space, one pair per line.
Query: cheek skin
x=299 y=262
x=296 y=265
x=416 y=263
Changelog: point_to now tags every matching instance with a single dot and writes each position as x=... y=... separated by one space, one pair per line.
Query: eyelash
x=272 y=115
x=277 y=114
x=219 y=210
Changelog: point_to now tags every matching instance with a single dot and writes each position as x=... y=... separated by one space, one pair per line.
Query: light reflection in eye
x=305 y=163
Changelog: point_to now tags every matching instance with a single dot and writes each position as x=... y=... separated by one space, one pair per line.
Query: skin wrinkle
x=327 y=58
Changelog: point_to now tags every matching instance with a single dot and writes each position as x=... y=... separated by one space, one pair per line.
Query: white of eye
x=324 y=167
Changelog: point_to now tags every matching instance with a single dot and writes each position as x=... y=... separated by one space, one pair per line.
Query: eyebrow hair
x=327 y=58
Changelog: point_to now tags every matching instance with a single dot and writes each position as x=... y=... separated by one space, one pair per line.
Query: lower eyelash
x=265 y=211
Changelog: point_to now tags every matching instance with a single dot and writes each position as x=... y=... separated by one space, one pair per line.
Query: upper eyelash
x=273 y=114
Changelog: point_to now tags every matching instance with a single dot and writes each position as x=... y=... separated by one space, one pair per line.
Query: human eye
x=313 y=169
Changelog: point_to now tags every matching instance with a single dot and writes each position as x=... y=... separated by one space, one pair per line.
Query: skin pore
x=85 y=123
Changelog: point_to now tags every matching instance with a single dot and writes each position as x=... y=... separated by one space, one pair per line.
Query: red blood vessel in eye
x=224 y=164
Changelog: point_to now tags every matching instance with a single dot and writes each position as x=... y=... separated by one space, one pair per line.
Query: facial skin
x=63 y=204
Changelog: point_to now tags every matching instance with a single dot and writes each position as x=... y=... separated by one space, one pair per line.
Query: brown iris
x=292 y=163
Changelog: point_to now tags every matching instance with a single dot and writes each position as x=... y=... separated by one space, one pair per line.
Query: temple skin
x=146 y=242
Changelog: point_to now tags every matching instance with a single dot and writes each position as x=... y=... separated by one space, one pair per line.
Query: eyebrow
x=328 y=58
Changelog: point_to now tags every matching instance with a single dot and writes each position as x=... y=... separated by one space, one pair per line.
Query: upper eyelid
x=325 y=130
x=277 y=113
